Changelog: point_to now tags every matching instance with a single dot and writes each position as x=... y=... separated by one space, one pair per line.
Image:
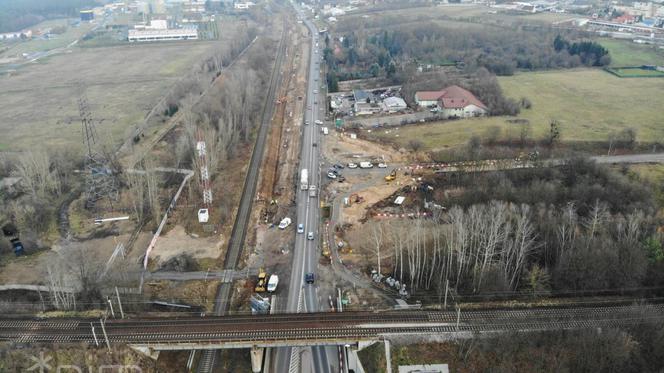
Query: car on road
x=315 y=91
x=300 y=228
x=306 y=122
x=309 y=278
x=310 y=236
x=382 y=165
x=331 y=175
x=352 y=165
x=314 y=145
x=318 y=122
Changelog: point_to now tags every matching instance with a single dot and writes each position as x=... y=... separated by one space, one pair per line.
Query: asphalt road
x=303 y=297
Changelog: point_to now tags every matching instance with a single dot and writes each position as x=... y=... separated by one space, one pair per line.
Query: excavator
x=391 y=176
x=260 y=285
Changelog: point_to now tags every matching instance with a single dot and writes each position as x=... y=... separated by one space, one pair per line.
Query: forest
x=578 y=227
x=366 y=53
x=16 y=15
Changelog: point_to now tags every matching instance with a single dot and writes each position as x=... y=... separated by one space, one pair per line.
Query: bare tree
x=38 y=175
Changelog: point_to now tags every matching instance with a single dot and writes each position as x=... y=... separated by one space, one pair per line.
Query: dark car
x=339 y=166
x=309 y=278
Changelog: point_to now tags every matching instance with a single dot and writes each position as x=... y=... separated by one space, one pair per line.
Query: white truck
x=366 y=165
x=272 y=283
x=304 y=179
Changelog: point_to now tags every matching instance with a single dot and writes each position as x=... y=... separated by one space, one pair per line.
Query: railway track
x=320 y=328
x=239 y=231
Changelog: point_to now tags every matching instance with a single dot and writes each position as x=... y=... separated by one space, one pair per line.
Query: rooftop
x=451 y=97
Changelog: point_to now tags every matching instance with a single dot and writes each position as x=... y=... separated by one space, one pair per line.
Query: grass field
x=371 y=18
x=635 y=72
x=57 y=41
x=38 y=102
x=589 y=104
x=627 y=53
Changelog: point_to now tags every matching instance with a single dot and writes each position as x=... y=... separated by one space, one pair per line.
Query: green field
x=627 y=53
x=589 y=104
x=635 y=72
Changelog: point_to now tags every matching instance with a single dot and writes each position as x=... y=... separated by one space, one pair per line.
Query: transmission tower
x=99 y=179
x=205 y=175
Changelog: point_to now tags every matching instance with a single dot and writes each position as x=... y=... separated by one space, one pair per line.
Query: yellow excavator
x=391 y=176
x=262 y=279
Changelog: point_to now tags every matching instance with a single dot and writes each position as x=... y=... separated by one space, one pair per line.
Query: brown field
x=38 y=102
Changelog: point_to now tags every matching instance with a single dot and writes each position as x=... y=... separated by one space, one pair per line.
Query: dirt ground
x=32 y=269
x=340 y=147
x=177 y=242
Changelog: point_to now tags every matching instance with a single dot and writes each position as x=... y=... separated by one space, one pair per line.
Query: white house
x=243 y=5
x=394 y=104
x=452 y=102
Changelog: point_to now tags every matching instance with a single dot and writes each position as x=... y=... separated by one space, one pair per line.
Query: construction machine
x=260 y=285
x=391 y=176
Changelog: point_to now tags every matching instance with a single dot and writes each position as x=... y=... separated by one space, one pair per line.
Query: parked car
x=300 y=228
x=339 y=166
x=341 y=179
x=382 y=165
x=352 y=165
x=331 y=175
x=285 y=222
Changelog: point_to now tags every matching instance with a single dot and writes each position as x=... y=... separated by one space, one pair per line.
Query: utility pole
x=117 y=293
x=458 y=317
x=447 y=286
x=111 y=305
x=94 y=334
x=103 y=329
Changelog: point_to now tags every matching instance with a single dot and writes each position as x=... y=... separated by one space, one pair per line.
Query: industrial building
x=163 y=35
x=87 y=15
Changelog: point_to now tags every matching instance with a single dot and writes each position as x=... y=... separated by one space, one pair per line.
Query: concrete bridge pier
x=257 y=359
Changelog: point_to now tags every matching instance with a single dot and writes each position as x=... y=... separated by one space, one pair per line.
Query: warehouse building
x=163 y=35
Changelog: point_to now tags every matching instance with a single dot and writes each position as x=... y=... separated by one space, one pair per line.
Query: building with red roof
x=452 y=101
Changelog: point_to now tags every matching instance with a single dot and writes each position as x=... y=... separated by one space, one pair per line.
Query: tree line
x=19 y=14
x=578 y=227
x=362 y=53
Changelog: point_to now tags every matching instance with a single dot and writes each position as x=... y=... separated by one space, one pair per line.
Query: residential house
x=452 y=102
